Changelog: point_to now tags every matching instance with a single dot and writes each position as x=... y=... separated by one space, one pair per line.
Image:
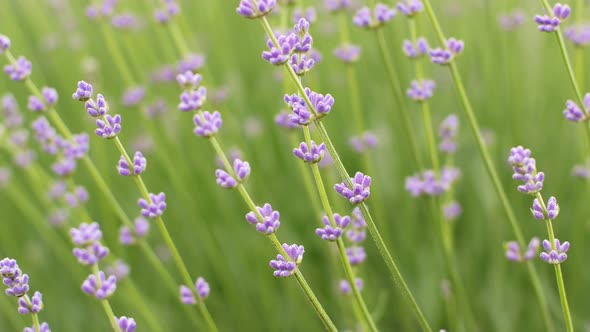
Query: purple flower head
x=532 y=249
x=126 y=324
x=270 y=219
x=561 y=11
x=525 y=170
x=337 y=5
x=249 y=9
x=35 y=104
x=359 y=191
x=345 y=287
x=356 y=255
x=192 y=100
x=417 y=50
x=242 y=169
x=188 y=79
x=45 y=134
x=13 y=278
x=44 y=327
x=348 y=53
x=64 y=167
x=83 y=91
x=109 y=127
x=282 y=120
x=452 y=210
x=301 y=63
x=579 y=35
x=92 y=254
x=118 y=269
x=333 y=232
x=447 y=132
x=100 y=286
x=98 y=108
x=9 y=268
x=133 y=96
x=86 y=234
x=511 y=21
x=186 y=295
x=357 y=233
x=192 y=62
x=365 y=19
x=557 y=255
x=125 y=21
x=50 y=95
x=154 y=206
x=548 y=23
x=77 y=148
x=35 y=306
x=301 y=115
x=574 y=113
x=4 y=44
x=321 y=104
x=309 y=15
x=421 y=90
x=12 y=117
x=20 y=70
x=410 y=7
x=312 y=154
x=202 y=288
x=440 y=56
x=364 y=142
x=280 y=54
x=207 y=124
x=138 y=167
x=285 y=267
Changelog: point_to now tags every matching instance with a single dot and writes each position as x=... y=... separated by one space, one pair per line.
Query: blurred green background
x=515 y=80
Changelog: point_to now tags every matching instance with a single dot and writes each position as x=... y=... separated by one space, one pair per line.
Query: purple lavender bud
x=154 y=207
x=133 y=96
x=165 y=73
x=421 y=90
x=309 y=15
x=4 y=44
x=139 y=165
x=35 y=306
x=322 y=104
x=301 y=115
x=346 y=289
x=188 y=79
x=161 y=16
x=453 y=48
x=126 y=324
x=50 y=95
x=125 y=236
x=382 y=14
x=356 y=255
x=579 y=35
x=581 y=171
x=35 y=104
x=18 y=284
x=9 y=268
x=225 y=180
x=447 y=132
x=295 y=252
x=284 y=268
x=546 y=23
x=518 y=156
x=410 y=7
x=532 y=249
x=202 y=288
x=118 y=269
x=282 y=120
x=329 y=233
x=242 y=169
x=125 y=21
x=44 y=327
x=192 y=100
x=186 y=295
x=301 y=64
x=310 y=155
x=270 y=219
x=560 y=11
x=337 y=5
x=100 y=287
x=417 y=50
x=192 y=62
x=64 y=167
x=537 y=210
x=513 y=251
x=360 y=190
x=511 y=21
x=556 y=256
x=452 y=210
x=207 y=124
x=552 y=208
x=98 y=109
x=348 y=53
x=249 y=9
x=573 y=112
x=280 y=54
x=86 y=234
x=92 y=254
x=109 y=127
x=20 y=70
x=83 y=91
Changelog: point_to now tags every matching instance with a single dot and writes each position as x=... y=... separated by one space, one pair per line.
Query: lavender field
x=294 y=165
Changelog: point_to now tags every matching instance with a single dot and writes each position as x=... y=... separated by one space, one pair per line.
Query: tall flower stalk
x=260 y=13
x=489 y=165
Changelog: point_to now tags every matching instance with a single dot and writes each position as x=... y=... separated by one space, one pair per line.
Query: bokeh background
x=515 y=79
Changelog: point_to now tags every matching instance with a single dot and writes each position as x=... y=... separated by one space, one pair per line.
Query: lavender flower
x=540 y=213
x=414 y=51
x=452 y=210
x=348 y=53
x=186 y=295
x=309 y=14
x=357 y=233
x=128 y=236
x=360 y=190
x=43 y=327
x=16 y=282
x=248 y=9
x=574 y=113
x=191 y=62
x=548 y=23
x=98 y=109
x=356 y=255
x=133 y=96
x=83 y=91
x=225 y=180
x=511 y=21
x=109 y=127
x=50 y=95
x=207 y=124
x=282 y=120
x=100 y=286
x=4 y=44
x=312 y=154
x=86 y=234
x=35 y=104
x=454 y=47
x=337 y=5
x=364 y=142
x=556 y=256
x=286 y=267
x=32 y=306
x=139 y=165
x=525 y=170
x=579 y=35
x=447 y=132
x=126 y=324
x=154 y=206
x=118 y=269
x=329 y=233
x=410 y=7
x=241 y=170
x=421 y=90
x=20 y=70
x=345 y=287
x=381 y=15
x=270 y=219
x=12 y=117
x=125 y=21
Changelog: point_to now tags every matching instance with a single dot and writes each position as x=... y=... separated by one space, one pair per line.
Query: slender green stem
x=105 y=303
x=558 y=275
x=35 y=317
x=491 y=169
x=384 y=252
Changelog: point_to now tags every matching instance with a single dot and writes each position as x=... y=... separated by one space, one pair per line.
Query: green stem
x=105 y=303
x=491 y=169
x=384 y=252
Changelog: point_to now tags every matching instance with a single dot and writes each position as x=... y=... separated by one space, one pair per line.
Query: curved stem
x=105 y=303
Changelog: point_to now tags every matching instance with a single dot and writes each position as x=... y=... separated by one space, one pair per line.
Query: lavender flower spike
x=448 y=132
x=548 y=23
x=360 y=190
x=525 y=170
x=192 y=100
x=574 y=113
x=44 y=327
x=556 y=256
x=35 y=306
x=139 y=165
x=207 y=124
x=154 y=207
x=348 y=53
x=109 y=127
x=83 y=91
x=270 y=219
x=329 y=233
x=4 y=43
x=345 y=286
x=421 y=90
x=252 y=10
x=410 y=7
x=283 y=267
x=225 y=180
x=313 y=154
x=100 y=286
x=20 y=70
x=453 y=48
x=381 y=15
x=126 y=324
x=415 y=51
